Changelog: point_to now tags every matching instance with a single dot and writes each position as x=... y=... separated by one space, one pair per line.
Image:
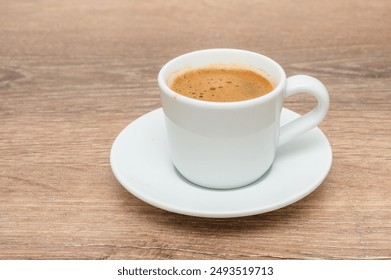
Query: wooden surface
x=74 y=73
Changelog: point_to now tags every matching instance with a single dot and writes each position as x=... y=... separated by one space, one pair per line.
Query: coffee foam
x=221 y=84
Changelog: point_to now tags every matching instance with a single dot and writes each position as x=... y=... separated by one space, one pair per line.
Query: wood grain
x=74 y=73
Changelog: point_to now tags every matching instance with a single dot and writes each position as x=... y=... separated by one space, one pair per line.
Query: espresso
x=221 y=84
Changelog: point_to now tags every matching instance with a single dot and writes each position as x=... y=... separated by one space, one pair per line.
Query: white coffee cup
x=226 y=145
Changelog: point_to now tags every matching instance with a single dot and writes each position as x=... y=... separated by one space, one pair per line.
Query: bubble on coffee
x=221 y=84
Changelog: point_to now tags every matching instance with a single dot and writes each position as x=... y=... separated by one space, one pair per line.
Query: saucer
x=140 y=161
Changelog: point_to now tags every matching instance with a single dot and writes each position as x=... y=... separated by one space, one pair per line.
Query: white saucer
x=140 y=161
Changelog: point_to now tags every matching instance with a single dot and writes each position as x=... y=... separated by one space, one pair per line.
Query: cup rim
x=165 y=89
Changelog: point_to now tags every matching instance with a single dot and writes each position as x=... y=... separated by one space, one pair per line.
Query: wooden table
x=74 y=73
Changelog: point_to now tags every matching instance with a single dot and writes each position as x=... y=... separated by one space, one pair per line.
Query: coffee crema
x=221 y=84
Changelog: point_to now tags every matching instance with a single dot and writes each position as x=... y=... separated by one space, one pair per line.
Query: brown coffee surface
x=221 y=84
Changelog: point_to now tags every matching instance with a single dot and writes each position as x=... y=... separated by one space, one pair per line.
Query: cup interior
x=223 y=57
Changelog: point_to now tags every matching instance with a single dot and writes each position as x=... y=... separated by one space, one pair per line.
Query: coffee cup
x=230 y=144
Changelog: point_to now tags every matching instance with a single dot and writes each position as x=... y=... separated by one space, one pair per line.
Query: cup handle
x=312 y=86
